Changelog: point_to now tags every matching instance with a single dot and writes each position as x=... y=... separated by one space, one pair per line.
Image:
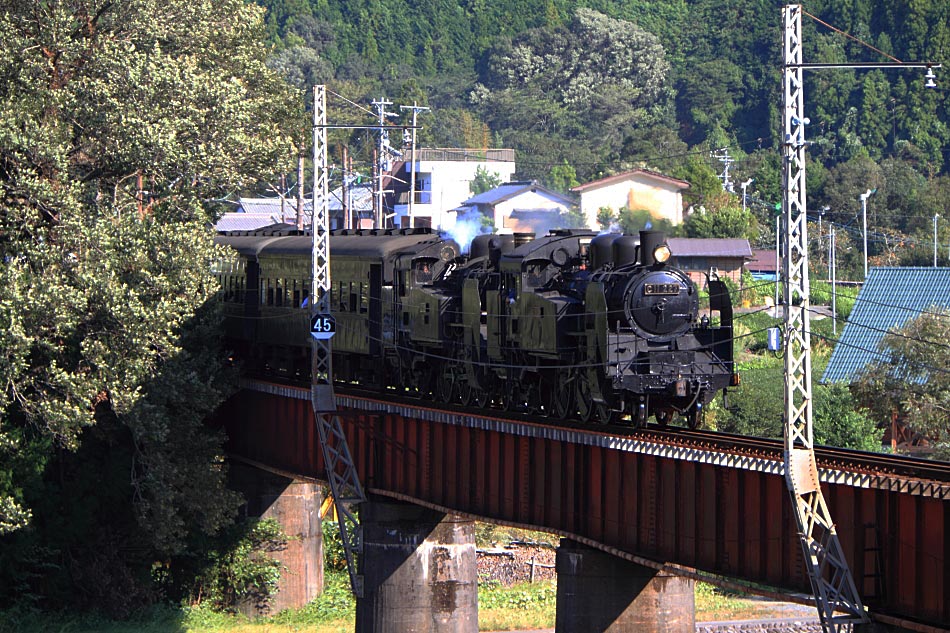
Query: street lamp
x=936 y=215
x=864 y=218
x=744 y=186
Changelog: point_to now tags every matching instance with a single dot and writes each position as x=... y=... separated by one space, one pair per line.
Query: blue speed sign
x=322 y=326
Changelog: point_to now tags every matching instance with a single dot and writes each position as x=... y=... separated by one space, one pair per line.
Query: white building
x=443 y=180
x=635 y=190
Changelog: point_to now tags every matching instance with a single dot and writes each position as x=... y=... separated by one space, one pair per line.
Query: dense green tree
x=839 y=422
x=912 y=380
x=563 y=177
x=873 y=125
x=120 y=123
x=484 y=180
x=593 y=82
x=724 y=222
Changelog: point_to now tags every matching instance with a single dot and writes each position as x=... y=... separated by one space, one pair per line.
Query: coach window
x=364 y=298
x=343 y=295
x=278 y=293
x=269 y=298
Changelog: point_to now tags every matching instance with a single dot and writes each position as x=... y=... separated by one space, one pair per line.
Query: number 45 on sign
x=322 y=326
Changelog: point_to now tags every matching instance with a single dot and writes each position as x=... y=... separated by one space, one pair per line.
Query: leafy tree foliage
x=484 y=181
x=756 y=408
x=590 y=83
x=120 y=121
x=727 y=221
x=913 y=381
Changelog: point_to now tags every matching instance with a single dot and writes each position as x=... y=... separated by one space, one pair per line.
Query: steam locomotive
x=572 y=325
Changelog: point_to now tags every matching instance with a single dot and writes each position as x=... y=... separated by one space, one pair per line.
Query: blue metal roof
x=889 y=298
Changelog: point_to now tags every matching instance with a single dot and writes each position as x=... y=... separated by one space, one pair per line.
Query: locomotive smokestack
x=649 y=240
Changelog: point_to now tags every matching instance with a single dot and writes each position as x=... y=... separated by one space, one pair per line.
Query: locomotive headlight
x=661 y=253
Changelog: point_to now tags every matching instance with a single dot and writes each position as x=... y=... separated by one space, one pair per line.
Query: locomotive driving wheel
x=585 y=406
x=465 y=390
x=560 y=396
x=445 y=385
x=603 y=413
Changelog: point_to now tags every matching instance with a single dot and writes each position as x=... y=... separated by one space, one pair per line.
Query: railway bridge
x=642 y=513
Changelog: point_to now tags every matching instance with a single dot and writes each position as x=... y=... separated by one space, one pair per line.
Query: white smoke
x=467 y=226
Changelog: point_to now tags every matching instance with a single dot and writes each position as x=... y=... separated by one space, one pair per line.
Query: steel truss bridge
x=710 y=506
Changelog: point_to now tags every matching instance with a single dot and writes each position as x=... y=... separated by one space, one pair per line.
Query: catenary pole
x=837 y=599
x=340 y=468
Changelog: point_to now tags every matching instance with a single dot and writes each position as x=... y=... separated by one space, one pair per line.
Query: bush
x=333 y=556
x=237 y=568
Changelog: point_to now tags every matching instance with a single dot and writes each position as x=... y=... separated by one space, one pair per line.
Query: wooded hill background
x=584 y=89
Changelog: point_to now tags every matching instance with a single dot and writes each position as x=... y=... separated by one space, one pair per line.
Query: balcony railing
x=465 y=155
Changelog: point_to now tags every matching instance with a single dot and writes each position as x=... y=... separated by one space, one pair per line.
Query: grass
x=524 y=606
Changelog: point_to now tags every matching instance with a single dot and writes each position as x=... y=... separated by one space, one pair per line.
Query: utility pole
x=744 y=186
x=935 y=239
x=340 y=468
x=345 y=191
x=778 y=237
x=722 y=155
x=416 y=109
x=385 y=150
x=832 y=274
x=298 y=216
x=864 y=218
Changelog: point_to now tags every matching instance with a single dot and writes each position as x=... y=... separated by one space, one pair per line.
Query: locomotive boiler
x=571 y=325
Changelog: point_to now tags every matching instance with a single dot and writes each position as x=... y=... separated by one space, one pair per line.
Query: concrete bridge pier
x=295 y=505
x=418 y=569
x=601 y=593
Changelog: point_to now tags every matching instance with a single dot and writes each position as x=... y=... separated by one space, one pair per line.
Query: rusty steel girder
x=695 y=511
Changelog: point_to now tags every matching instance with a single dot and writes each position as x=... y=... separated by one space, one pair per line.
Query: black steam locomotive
x=572 y=325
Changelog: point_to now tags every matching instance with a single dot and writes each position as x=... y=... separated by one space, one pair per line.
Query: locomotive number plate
x=661 y=289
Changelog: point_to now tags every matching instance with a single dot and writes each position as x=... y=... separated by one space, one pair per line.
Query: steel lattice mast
x=341 y=471
x=827 y=567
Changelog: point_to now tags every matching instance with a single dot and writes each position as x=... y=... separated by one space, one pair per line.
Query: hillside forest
x=127 y=128
x=589 y=88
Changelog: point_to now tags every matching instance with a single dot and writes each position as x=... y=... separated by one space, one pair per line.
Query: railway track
x=880 y=465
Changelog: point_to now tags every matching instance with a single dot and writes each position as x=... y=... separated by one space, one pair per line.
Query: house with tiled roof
x=522 y=206
x=635 y=190
x=890 y=297
x=698 y=255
